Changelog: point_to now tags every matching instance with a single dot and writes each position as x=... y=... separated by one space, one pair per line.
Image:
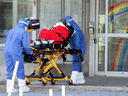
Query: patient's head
x=63 y=21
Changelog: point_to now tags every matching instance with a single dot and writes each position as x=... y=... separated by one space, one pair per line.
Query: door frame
x=91 y=41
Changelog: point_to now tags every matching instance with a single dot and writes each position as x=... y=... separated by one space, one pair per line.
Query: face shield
x=32 y=24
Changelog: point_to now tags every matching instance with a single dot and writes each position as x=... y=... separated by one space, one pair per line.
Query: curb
x=70 y=88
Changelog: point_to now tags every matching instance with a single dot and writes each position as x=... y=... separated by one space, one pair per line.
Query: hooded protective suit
x=77 y=42
x=16 y=38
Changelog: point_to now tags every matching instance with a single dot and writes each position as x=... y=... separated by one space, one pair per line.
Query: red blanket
x=52 y=35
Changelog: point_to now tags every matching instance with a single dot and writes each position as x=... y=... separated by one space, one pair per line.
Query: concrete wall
x=2 y=67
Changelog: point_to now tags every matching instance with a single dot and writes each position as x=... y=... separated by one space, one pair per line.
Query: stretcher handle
x=28 y=57
x=80 y=55
x=81 y=58
x=77 y=52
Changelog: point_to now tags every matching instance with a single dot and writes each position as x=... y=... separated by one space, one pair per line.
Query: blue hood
x=69 y=20
x=72 y=23
x=22 y=23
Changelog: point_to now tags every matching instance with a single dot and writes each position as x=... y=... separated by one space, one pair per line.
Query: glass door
x=112 y=37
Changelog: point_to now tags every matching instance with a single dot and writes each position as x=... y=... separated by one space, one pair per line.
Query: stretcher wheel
x=27 y=83
x=52 y=82
x=69 y=81
x=44 y=83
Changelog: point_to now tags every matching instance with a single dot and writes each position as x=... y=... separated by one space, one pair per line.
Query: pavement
x=92 y=83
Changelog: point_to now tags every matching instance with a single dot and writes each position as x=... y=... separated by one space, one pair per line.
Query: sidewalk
x=92 y=83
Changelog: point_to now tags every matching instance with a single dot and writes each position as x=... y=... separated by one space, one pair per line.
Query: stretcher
x=44 y=51
x=50 y=49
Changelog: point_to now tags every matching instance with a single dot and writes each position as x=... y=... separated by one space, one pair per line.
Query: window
x=5 y=18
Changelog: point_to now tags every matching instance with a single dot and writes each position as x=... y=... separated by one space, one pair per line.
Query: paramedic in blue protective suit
x=77 y=42
x=15 y=39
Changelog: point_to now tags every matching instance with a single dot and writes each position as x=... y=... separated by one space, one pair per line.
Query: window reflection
x=101 y=53
x=102 y=16
x=24 y=9
x=5 y=19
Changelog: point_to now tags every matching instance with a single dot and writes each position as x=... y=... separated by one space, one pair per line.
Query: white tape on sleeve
x=23 y=22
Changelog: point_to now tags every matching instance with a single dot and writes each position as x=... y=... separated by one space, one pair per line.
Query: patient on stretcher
x=60 y=33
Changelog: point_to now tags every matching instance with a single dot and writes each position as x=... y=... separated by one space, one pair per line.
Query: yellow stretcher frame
x=52 y=64
x=46 y=68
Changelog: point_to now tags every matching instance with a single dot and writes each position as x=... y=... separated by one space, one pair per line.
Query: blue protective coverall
x=77 y=42
x=16 y=38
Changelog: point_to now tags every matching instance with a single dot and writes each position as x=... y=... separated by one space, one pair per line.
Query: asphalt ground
x=95 y=83
x=70 y=93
